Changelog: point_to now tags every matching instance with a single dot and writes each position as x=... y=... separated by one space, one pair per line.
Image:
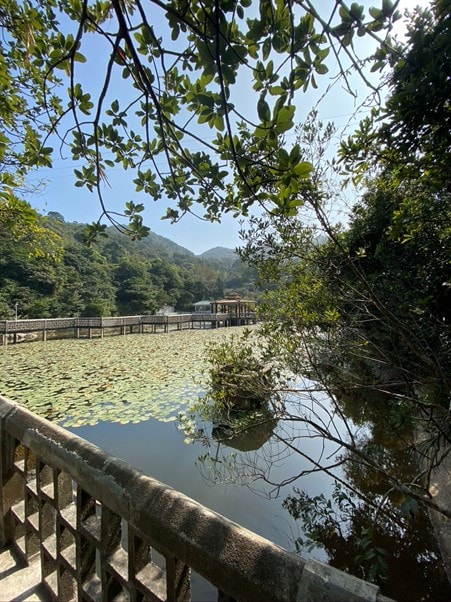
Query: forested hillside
x=116 y=276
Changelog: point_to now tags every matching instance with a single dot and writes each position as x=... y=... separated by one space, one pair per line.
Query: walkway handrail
x=96 y=543
x=39 y=324
x=30 y=325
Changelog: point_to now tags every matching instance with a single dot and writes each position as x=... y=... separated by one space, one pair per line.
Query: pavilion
x=241 y=311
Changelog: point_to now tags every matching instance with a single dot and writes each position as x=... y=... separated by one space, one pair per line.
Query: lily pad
x=116 y=379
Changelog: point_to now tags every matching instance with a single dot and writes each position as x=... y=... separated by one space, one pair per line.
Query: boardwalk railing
x=101 y=530
x=11 y=330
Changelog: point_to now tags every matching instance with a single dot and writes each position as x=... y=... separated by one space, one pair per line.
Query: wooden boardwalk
x=14 y=331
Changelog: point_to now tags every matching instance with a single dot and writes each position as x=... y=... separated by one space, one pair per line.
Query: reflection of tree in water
x=237 y=447
x=248 y=439
x=371 y=526
x=399 y=555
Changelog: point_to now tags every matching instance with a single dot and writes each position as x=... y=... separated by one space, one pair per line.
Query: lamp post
x=15 y=311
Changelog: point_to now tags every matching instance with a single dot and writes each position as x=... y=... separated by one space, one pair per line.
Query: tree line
x=116 y=276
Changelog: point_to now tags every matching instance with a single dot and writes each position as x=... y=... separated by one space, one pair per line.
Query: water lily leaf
x=70 y=382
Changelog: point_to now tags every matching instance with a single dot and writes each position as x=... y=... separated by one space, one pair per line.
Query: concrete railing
x=103 y=531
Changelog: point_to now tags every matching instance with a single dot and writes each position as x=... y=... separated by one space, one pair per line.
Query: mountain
x=151 y=245
x=221 y=253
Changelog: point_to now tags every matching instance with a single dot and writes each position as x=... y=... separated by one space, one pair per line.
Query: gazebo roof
x=234 y=301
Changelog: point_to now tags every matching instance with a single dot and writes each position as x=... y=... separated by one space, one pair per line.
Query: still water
x=158 y=449
x=124 y=394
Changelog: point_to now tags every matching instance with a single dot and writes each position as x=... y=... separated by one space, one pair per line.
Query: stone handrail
x=93 y=522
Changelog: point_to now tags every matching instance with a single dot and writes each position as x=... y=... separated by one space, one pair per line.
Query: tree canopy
x=117 y=276
x=410 y=133
x=163 y=89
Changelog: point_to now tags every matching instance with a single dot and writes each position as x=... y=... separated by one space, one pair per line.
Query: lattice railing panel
x=103 y=532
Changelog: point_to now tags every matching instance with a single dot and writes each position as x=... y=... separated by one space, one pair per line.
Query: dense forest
x=116 y=276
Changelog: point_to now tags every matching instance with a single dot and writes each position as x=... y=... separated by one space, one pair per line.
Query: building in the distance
x=202 y=307
x=241 y=311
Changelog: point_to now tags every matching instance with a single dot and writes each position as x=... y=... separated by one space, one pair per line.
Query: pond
x=125 y=394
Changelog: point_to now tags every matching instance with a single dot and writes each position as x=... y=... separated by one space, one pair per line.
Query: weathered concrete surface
x=322 y=582
x=19 y=582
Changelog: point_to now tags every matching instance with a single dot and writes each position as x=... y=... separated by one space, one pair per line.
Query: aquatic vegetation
x=120 y=379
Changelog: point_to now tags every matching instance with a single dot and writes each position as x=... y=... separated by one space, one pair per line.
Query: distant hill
x=114 y=276
x=221 y=253
x=151 y=245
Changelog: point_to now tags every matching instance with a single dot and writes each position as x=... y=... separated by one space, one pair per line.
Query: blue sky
x=78 y=204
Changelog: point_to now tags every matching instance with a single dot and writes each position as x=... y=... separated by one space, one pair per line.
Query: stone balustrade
x=103 y=531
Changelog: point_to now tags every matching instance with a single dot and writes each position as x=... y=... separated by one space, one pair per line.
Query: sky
x=77 y=204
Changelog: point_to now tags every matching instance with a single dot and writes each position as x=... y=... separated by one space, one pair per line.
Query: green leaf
x=303 y=170
x=284 y=158
x=321 y=68
x=295 y=154
x=266 y=49
x=387 y=7
x=263 y=110
x=344 y=13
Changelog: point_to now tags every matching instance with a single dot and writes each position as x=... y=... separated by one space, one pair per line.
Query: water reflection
x=362 y=523
x=355 y=526
x=249 y=438
x=158 y=450
x=368 y=527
